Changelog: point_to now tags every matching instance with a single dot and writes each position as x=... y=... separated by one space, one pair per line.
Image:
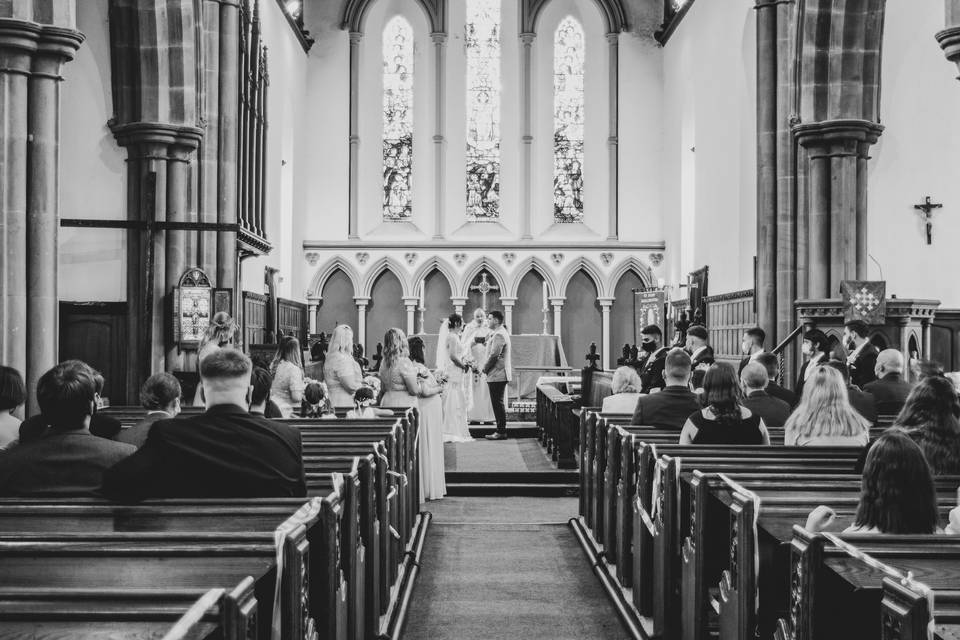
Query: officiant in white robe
x=479 y=408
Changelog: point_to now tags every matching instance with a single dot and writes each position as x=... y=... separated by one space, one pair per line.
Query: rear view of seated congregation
x=479 y=319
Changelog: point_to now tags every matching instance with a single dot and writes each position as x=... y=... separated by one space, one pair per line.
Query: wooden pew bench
x=558 y=425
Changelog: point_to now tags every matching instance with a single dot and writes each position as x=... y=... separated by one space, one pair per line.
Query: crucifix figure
x=926 y=208
x=484 y=287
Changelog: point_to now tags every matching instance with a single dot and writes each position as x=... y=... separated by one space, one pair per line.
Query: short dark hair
x=770 y=362
x=677 y=363
x=363 y=393
x=859 y=327
x=313 y=393
x=224 y=364
x=758 y=334
x=12 y=390
x=318 y=350
x=416 y=346
x=498 y=315
x=159 y=391
x=840 y=366
x=66 y=394
x=818 y=339
x=453 y=321
x=262 y=381
x=698 y=331
x=651 y=330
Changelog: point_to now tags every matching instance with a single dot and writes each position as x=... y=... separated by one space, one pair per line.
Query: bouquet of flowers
x=441 y=377
x=470 y=363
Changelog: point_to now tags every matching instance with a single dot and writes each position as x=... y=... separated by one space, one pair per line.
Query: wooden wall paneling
x=96 y=332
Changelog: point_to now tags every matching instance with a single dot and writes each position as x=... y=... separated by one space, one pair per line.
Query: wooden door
x=96 y=332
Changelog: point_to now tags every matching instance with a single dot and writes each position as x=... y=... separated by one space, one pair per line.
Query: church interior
x=579 y=319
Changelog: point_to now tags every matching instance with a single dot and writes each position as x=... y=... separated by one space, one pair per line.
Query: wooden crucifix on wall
x=484 y=287
x=926 y=210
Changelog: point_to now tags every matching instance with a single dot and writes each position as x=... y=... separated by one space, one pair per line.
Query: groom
x=498 y=370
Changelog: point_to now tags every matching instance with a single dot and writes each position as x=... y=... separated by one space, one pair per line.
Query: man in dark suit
x=815 y=348
x=861 y=401
x=751 y=346
x=160 y=396
x=862 y=359
x=890 y=389
x=66 y=459
x=754 y=379
x=701 y=353
x=671 y=407
x=651 y=371
x=222 y=453
x=770 y=363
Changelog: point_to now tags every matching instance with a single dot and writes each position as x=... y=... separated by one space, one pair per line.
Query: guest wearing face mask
x=862 y=354
x=651 y=371
x=815 y=348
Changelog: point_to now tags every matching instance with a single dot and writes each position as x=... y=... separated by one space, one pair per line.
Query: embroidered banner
x=864 y=300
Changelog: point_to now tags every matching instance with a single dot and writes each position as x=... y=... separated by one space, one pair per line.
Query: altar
x=533 y=355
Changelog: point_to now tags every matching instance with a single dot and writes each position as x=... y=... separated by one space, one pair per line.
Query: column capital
x=156 y=133
x=411 y=301
x=527 y=38
x=606 y=303
x=613 y=38
x=356 y=37
x=439 y=37
x=558 y=301
x=31 y=37
x=361 y=302
x=828 y=133
x=949 y=40
x=456 y=300
x=506 y=300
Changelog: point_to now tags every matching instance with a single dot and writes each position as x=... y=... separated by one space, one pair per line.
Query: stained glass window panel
x=568 y=119
x=482 y=40
x=397 y=119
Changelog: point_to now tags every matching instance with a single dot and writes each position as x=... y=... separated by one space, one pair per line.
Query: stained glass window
x=568 y=57
x=482 y=40
x=397 y=119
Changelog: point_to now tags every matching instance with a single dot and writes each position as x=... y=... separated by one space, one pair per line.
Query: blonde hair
x=341 y=341
x=824 y=409
x=625 y=380
x=220 y=330
x=395 y=346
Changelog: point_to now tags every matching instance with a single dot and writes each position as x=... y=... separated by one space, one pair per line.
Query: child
x=315 y=402
x=363 y=408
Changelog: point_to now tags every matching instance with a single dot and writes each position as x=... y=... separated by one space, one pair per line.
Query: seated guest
x=773 y=411
x=815 y=349
x=824 y=417
x=314 y=368
x=723 y=419
x=862 y=402
x=69 y=460
x=651 y=369
x=930 y=418
x=751 y=346
x=288 y=382
x=670 y=408
x=772 y=365
x=701 y=353
x=261 y=381
x=363 y=404
x=890 y=390
x=160 y=396
x=101 y=425
x=626 y=391
x=897 y=494
x=862 y=357
x=316 y=404
x=12 y=396
x=223 y=453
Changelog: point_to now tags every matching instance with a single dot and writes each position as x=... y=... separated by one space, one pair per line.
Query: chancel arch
x=589 y=268
x=384 y=310
x=471 y=273
x=336 y=303
x=439 y=265
x=622 y=312
x=532 y=264
x=532 y=305
x=583 y=320
x=435 y=301
x=327 y=271
x=385 y=264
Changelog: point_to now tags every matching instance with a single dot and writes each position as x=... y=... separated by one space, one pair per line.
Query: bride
x=451 y=361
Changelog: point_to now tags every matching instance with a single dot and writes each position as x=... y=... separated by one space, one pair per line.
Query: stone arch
x=474 y=270
x=630 y=264
x=590 y=269
x=613 y=12
x=355 y=13
x=526 y=266
x=323 y=274
x=378 y=267
x=440 y=265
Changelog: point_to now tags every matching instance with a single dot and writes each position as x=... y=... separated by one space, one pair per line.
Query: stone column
x=228 y=135
x=178 y=203
x=312 y=305
x=411 y=304
x=949 y=38
x=353 y=225
x=925 y=338
x=508 y=304
x=766 y=11
x=439 y=139
x=605 y=305
x=526 y=125
x=613 y=144
x=361 y=336
x=458 y=305
x=557 y=304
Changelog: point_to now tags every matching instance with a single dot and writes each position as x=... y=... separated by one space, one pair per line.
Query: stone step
x=539 y=490
x=513 y=477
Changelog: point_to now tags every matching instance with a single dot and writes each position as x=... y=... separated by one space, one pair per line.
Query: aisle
x=507 y=568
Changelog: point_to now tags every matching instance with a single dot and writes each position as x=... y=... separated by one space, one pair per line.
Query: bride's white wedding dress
x=454 y=399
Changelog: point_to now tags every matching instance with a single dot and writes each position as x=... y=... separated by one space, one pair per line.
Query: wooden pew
x=905 y=613
x=558 y=425
x=174 y=614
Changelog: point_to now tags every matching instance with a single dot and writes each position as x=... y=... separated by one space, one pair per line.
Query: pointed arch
x=440 y=265
x=613 y=12
x=463 y=290
x=325 y=271
x=630 y=264
x=526 y=266
x=589 y=268
x=378 y=267
x=355 y=14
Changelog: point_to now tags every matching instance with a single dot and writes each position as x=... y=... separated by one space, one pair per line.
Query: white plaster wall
x=917 y=155
x=709 y=193
x=92 y=262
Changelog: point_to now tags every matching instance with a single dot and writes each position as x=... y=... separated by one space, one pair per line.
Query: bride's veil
x=443 y=354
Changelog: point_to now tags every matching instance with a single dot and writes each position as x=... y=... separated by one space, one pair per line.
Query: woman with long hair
x=825 y=417
x=473 y=339
x=930 y=418
x=450 y=360
x=287 y=370
x=897 y=494
x=723 y=419
x=340 y=371
x=219 y=334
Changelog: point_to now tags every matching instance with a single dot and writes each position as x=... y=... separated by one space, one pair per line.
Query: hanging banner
x=864 y=300
x=649 y=310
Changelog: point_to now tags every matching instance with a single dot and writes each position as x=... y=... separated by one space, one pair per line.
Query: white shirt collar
x=693 y=356
x=856 y=352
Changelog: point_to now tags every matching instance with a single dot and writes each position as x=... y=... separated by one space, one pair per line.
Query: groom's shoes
x=496 y=435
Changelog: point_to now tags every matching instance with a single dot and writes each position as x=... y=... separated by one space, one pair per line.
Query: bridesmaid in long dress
x=407 y=384
x=480 y=409
x=450 y=361
x=340 y=371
